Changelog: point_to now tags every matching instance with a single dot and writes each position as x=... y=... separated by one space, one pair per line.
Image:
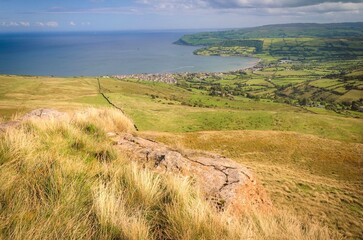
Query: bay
x=106 y=53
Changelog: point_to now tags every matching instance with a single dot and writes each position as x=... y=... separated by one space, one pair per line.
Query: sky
x=95 y=15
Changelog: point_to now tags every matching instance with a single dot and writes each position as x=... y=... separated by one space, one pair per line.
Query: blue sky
x=83 y=15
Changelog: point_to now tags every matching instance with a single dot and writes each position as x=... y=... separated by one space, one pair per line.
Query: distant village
x=160 y=77
x=172 y=78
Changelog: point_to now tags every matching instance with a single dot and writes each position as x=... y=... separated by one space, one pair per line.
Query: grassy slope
x=314 y=177
x=309 y=174
x=228 y=115
x=19 y=95
x=63 y=179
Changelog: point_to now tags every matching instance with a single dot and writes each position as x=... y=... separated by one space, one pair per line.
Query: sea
x=106 y=53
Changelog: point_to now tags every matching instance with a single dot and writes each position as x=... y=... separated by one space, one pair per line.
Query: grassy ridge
x=179 y=109
x=311 y=176
x=20 y=94
x=63 y=179
x=333 y=30
x=182 y=110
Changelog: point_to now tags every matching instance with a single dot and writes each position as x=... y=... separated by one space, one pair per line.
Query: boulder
x=224 y=182
x=42 y=113
x=227 y=184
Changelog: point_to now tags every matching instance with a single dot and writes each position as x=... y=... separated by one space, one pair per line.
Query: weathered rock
x=6 y=125
x=223 y=181
x=42 y=113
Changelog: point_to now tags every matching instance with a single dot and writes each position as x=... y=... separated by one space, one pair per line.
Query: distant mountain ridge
x=293 y=30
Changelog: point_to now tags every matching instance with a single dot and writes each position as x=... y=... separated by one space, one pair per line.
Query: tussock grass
x=62 y=179
x=315 y=178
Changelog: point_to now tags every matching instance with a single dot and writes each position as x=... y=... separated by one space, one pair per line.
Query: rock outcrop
x=224 y=182
x=41 y=113
x=44 y=113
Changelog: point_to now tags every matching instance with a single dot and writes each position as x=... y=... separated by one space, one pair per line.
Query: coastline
x=129 y=53
x=172 y=78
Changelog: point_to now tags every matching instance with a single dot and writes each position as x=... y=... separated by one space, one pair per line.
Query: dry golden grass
x=317 y=179
x=62 y=179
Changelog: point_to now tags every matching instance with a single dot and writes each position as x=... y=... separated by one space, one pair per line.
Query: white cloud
x=272 y=3
x=246 y=13
x=111 y=10
x=324 y=8
x=24 y=24
x=176 y=4
x=52 y=24
x=71 y=23
x=264 y=5
x=13 y=24
x=39 y=24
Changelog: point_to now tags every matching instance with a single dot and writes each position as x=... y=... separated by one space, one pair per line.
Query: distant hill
x=330 y=30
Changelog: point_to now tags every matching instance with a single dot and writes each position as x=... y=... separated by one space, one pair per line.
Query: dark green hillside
x=331 y=30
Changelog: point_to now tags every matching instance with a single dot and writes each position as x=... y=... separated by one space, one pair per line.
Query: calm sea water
x=93 y=54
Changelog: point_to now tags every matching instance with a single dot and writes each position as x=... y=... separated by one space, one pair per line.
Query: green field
x=321 y=63
x=180 y=110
